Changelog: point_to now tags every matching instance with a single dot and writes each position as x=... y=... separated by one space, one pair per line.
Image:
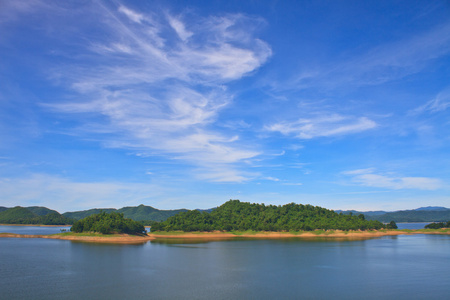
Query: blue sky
x=173 y=104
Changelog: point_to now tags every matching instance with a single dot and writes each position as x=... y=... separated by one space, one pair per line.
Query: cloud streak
x=150 y=91
x=367 y=177
x=382 y=63
x=440 y=103
x=323 y=126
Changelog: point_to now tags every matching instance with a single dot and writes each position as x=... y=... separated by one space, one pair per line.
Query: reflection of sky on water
x=411 y=225
x=406 y=267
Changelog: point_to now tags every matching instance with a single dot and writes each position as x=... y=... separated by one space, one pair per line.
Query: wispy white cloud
x=440 y=103
x=272 y=179
x=359 y=171
x=179 y=27
x=159 y=94
x=132 y=15
x=223 y=173
x=323 y=126
x=367 y=177
x=380 y=64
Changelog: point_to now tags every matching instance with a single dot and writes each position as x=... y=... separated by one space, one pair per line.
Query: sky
x=187 y=104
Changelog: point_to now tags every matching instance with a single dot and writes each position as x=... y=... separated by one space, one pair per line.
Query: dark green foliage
x=2 y=208
x=40 y=210
x=16 y=214
x=241 y=216
x=107 y=223
x=25 y=215
x=392 y=225
x=55 y=219
x=438 y=225
x=143 y=213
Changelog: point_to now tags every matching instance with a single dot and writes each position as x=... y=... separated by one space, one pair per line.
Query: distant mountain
x=137 y=213
x=41 y=211
x=32 y=215
x=78 y=215
x=413 y=216
x=432 y=208
x=2 y=208
x=14 y=214
x=148 y=213
x=422 y=214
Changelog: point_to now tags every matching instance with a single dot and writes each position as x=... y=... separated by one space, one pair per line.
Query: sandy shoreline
x=133 y=239
x=116 y=239
x=280 y=235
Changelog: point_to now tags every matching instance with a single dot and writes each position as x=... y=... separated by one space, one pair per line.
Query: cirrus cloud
x=323 y=126
x=147 y=90
x=367 y=177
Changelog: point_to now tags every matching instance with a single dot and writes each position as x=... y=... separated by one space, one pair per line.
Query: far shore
x=139 y=239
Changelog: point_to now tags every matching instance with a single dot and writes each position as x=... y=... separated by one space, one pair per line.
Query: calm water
x=411 y=225
x=403 y=267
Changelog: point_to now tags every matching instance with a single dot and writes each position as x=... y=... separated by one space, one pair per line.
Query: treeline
x=143 y=213
x=241 y=216
x=32 y=216
x=107 y=223
x=438 y=225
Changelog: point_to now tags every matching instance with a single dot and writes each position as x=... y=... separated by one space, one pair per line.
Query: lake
x=401 y=267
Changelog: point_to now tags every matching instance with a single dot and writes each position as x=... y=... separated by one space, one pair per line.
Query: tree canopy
x=438 y=225
x=241 y=216
x=107 y=223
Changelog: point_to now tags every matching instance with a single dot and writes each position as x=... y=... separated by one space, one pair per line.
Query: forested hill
x=33 y=215
x=422 y=214
x=142 y=213
x=241 y=216
x=137 y=213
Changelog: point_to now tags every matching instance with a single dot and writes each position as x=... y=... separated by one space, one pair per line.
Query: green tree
x=107 y=223
x=392 y=225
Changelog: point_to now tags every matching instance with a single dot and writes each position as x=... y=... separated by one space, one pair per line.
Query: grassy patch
x=246 y=232
x=318 y=232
